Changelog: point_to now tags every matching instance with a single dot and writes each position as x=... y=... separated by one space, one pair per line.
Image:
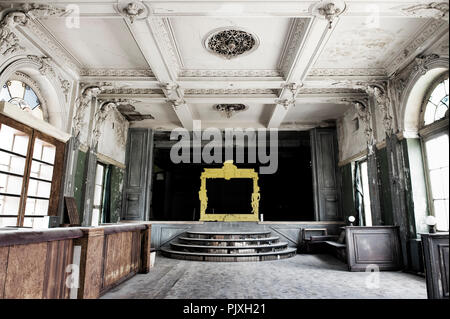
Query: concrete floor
x=303 y=276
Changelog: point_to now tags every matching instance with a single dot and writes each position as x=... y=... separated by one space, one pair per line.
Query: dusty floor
x=303 y=276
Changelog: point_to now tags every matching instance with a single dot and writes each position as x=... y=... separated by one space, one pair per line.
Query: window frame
x=427 y=132
x=58 y=165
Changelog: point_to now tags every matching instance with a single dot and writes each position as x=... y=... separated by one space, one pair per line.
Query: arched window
x=21 y=94
x=435 y=141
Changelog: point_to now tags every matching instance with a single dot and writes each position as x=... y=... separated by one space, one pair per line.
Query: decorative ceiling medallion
x=228 y=110
x=230 y=42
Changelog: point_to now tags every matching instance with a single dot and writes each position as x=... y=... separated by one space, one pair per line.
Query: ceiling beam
x=148 y=34
x=315 y=38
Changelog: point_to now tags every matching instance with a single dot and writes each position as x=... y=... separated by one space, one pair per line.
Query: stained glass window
x=20 y=94
x=437 y=106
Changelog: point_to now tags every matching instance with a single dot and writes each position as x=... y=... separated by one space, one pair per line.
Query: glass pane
x=441 y=214
x=99 y=175
x=31 y=98
x=36 y=207
x=437 y=184
x=438 y=94
x=42 y=171
x=9 y=205
x=11 y=163
x=4 y=94
x=10 y=184
x=365 y=184
x=95 y=216
x=437 y=152
x=16 y=88
x=13 y=140
x=39 y=188
x=44 y=151
x=41 y=222
x=8 y=221
x=98 y=195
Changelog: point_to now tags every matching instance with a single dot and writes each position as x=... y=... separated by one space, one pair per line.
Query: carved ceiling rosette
x=228 y=110
x=230 y=42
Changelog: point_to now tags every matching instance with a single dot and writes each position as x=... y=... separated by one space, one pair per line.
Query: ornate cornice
x=346 y=72
x=228 y=91
x=131 y=91
x=117 y=72
x=230 y=73
x=329 y=91
x=81 y=104
x=414 y=45
x=22 y=16
x=421 y=63
x=435 y=10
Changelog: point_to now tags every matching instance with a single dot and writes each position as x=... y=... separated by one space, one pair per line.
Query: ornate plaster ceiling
x=155 y=53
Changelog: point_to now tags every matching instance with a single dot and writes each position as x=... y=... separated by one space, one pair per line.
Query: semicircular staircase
x=228 y=246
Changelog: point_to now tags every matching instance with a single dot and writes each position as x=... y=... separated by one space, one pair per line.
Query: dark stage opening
x=286 y=195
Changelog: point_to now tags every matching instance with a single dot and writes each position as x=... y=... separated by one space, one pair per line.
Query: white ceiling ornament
x=328 y=10
x=133 y=10
x=435 y=10
x=230 y=42
x=228 y=110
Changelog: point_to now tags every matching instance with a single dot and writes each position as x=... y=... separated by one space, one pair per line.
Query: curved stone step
x=228 y=235
x=200 y=256
x=227 y=249
x=229 y=240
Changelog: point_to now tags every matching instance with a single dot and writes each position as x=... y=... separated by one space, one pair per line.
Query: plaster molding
x=100 y=116
x=428 y=32
x=294 y=43
x=175 y=103
x=421 y=63
x=81 y=104
x=328 y=10
x=326 y=72
x=380 y=95
x=130 y=91
x=133 y=10
x=230 y=73
x=228 y=110
x=116 y=72
x=228 y=91
x=163 y=38
x=230 y=42
x=435 y=10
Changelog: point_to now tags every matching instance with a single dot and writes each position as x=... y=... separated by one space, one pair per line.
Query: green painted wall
x=116 y=192
x=348 y=203
x=385 y=187
x=79 y=180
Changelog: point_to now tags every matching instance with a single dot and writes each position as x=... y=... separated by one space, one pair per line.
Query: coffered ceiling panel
x=315 y=112
x=363 y=43
x=256 y=113
x=98 y=43
x=190 y=34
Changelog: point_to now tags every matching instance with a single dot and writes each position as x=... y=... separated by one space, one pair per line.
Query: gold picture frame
x=227 y=172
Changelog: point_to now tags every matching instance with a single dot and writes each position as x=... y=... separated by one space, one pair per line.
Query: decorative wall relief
x=422 y=61
x=81 y=105
x=133 y=10
x=230 y=42
x=384 y=103
x=9 y=42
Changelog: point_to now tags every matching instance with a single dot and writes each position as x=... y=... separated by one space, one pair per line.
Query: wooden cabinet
x=435 y=253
